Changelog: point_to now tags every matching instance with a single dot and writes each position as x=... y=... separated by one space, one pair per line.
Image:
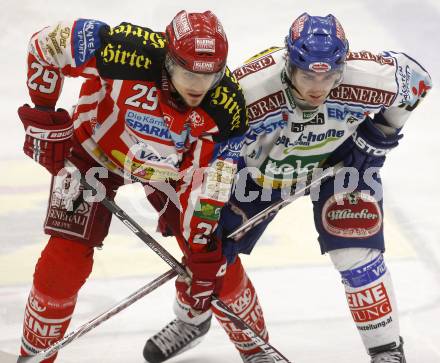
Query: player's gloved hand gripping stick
x=180 y=269
x=176 y=268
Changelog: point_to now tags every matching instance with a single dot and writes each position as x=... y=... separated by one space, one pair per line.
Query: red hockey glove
x=206 y=270
x=48 y=136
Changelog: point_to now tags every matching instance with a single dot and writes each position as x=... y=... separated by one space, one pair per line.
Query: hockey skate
x=175 y=338
x=259 y=357
x=387 y=354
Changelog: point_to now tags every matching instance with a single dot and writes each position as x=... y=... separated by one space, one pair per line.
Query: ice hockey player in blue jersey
x=311 y=104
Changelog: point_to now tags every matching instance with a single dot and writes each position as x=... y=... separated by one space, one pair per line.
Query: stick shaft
x=175 y=265
x=269 y=211
x=92 y=324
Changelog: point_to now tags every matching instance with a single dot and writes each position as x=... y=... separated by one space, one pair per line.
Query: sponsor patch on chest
x=148 y=125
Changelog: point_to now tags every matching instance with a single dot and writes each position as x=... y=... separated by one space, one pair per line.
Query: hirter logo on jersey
x=320 y=67
x=205 y=45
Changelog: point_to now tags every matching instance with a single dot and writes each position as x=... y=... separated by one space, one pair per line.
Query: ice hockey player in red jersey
x=314 y=103
x=158 y=108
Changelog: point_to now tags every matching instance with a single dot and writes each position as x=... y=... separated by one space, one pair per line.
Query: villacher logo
x=358 y=216
x=320 y=67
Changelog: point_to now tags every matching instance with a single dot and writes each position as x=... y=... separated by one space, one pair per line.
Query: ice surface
x=300 y=291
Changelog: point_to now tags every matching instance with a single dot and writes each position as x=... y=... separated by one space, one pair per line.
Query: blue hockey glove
x=369 y=146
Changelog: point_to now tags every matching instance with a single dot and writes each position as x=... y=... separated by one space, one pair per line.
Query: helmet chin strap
x=170 y=94
x=300 y=102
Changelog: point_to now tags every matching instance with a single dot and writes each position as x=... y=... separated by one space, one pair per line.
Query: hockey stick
x=176 y=266
x=270 y=211
x=85 y=328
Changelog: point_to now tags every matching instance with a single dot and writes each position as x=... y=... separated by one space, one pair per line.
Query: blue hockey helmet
x=316 y=43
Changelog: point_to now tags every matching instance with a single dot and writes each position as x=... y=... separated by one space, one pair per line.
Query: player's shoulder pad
x=413 y=80
x=130 y=51
x=227 y=107
x=387 y=78
x=262 y=54
x=85 y=42
x=258 y=62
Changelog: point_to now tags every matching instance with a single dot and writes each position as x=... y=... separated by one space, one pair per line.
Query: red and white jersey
x=130 y=122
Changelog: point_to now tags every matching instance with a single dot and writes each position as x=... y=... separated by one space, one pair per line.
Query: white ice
x=302 y=297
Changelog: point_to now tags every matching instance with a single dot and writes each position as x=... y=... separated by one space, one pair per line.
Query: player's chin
x=193 y=100
x=316 y=101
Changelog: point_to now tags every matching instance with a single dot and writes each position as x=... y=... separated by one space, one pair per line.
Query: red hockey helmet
x=197 y=42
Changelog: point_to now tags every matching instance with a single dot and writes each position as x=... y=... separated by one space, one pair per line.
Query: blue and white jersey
x=285 y=141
